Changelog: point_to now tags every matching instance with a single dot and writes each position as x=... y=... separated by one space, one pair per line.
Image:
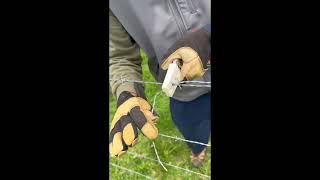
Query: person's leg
x=193 y=119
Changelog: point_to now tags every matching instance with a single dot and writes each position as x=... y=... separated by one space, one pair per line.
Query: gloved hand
x=132 y=113
x=194 y=50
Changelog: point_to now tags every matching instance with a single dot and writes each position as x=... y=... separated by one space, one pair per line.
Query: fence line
x=176 y=138
x=177 y=167
x=185 y=140
x=131 y=171
x=200 y=82
x=182 y=83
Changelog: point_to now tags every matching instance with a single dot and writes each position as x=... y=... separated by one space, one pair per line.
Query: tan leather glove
x=194 y=51
x=133 y=113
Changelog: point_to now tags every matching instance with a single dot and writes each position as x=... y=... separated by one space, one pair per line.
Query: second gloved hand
x=132 y=113
x=194 y=51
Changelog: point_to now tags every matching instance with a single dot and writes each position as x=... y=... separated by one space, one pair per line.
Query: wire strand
x=207 y=84
x=185 y=140
x=155 y=150
x=154 y=100
x=131 y=171
x=163 y=135
x=200 y=82
x=176 y=138
x=177 y=167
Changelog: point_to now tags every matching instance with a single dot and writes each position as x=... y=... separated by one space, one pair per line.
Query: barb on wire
x=177 y=167
x=137 y=81
x=131 y=171
x=181 y=139
x=193 y=85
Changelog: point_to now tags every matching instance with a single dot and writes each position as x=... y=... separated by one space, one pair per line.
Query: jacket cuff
x=127 y=86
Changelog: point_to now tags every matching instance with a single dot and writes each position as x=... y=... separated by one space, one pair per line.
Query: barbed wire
x=177 y=167
x=130 y=170
x=207 y=84
x=185 y=140
x=202 y=84
x=176 y=138
x=137 y=81
x=168 y=164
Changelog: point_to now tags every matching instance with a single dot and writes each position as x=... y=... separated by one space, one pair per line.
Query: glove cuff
x=125 y=95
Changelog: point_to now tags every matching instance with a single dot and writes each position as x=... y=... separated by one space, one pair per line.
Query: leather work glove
x=194 y=51
x=132 y=113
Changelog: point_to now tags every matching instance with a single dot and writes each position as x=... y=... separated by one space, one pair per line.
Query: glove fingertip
x=150 y=131
x=117 y=146
x=129 y=135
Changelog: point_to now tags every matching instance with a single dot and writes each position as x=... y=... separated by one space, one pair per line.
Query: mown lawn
x=170 y=151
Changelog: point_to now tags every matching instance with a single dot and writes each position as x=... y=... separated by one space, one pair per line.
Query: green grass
x=170 y=151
